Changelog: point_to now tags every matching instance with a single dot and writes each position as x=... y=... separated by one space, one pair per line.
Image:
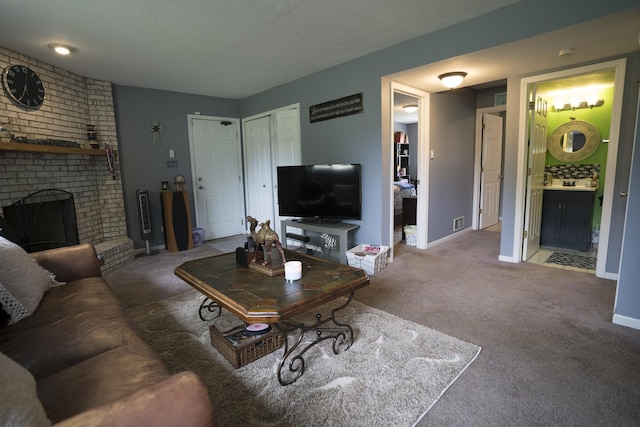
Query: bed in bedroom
x=402 y=191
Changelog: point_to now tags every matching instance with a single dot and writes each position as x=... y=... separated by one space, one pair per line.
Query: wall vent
x=458 y=223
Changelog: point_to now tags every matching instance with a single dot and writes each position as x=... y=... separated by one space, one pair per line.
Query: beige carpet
x=391 y=376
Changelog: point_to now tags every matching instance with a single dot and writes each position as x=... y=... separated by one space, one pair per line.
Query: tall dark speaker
x=176 y=215
x=144 y=216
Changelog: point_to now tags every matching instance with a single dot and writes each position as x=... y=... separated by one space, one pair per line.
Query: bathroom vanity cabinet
x=566 y=219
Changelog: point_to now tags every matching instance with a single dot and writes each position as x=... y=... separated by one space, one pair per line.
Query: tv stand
x=309 y=234
x=317 y=221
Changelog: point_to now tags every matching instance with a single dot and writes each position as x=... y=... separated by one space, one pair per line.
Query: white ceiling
x=224 y=48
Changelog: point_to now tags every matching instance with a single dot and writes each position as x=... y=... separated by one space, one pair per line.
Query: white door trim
x=477 y=163
x=270 y=114
x=612 y=157
x=422 y=210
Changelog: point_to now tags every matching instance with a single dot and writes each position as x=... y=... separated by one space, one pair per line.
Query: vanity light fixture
x=411 y=108
x=452 y=79
x=62 y=49
x=576 y=104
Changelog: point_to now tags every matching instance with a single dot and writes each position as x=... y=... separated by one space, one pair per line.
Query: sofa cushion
x=74 y=322
x=22 y=281
x=19 y=404
x=100 y=380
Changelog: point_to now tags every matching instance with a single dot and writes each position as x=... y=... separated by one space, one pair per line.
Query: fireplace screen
x=43 y=220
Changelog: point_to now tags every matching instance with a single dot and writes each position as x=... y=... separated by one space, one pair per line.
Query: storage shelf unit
x=402 y=155
x=308 y=236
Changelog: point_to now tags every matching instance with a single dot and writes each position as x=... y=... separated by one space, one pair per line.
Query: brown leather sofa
x=90 y=365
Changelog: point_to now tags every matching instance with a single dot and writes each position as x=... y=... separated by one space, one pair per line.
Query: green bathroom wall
x=600 y=117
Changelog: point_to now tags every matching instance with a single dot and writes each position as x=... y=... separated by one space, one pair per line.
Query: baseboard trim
x=449 y=237
x=629 y=322
x=507 y=259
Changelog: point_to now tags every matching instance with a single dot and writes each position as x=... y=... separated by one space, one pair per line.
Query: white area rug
x=391 y=376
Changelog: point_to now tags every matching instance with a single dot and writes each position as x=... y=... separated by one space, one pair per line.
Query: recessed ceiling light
x=62 y=49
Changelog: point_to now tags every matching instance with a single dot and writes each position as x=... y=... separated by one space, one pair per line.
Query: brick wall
x=71 y=102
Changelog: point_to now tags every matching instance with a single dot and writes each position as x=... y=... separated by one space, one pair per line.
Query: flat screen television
x=323 y=193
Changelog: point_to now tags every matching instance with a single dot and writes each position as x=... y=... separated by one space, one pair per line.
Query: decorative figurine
x=179 y=182
x=264 y=239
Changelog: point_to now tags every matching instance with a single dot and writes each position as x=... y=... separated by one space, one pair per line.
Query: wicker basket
x=245 y=353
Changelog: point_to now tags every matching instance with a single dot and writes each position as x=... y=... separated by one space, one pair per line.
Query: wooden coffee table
x=255 y=297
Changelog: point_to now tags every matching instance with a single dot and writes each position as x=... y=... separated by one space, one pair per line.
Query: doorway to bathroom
x=567 y=194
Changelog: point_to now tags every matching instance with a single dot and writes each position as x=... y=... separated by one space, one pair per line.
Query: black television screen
x=323 y=192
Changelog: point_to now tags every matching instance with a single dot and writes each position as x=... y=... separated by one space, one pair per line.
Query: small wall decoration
x=157 y=129
x=345 y=106
x=111 y=163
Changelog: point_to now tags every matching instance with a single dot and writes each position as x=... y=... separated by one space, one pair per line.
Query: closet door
x=258 y=172
x=270 y=141
x=286 y=150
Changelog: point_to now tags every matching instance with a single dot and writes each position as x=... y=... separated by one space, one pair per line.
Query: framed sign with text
x=341 y=107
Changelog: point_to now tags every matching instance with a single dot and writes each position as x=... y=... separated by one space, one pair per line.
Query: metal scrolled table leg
x=325 y=329
x=210 y=306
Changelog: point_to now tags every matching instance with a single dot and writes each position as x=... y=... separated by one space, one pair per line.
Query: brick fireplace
x=71 y=102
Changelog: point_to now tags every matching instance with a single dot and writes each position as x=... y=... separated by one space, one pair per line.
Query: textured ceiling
x=225 y=48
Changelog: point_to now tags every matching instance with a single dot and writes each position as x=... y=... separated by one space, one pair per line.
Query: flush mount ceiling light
x=411 y=108
x=453 y=79
x=62 y=49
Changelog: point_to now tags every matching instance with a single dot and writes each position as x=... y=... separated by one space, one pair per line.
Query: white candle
x=293 y=270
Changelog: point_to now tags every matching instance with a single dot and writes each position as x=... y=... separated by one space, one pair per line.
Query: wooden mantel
x=36 y=148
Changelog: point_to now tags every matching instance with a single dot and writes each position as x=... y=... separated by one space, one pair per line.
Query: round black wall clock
x=23 y=85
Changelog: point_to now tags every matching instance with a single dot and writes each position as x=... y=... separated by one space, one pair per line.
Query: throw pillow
x=19 y=404
x=22 y=281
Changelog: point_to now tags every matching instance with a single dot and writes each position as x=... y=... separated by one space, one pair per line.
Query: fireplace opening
x=43 y=220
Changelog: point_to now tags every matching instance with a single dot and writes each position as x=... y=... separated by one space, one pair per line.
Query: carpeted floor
x=550 y=354
x=371 y=383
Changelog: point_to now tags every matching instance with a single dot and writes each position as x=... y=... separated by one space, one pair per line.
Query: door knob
x=200 y=187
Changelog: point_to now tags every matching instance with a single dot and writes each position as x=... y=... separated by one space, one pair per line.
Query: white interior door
x=270 y=141
x=491 y=172
x=535 y=175
x=286 y=150
x=217 y=177
x=258 y=170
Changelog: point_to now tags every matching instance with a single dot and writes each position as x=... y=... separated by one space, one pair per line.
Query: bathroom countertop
x=580 y=186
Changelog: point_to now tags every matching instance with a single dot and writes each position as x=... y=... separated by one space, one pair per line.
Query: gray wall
x=628 y=295
x=358 y=138
x=452 y=139
x=412 y=133
x=144 y=165
x=625 y=149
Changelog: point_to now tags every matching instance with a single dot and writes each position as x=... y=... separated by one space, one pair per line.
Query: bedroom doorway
x=407 y=162
x=405 y=166
x=488 y=168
